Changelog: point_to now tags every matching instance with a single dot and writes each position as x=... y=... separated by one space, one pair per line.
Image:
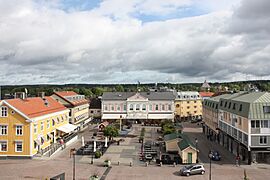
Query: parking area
x=193 y=130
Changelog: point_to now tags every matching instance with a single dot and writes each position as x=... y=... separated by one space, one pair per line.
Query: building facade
x=95 y=108
x=244 y=125
x=78 y=107
x=140 y=106
x=188 y=105
x=30 y=125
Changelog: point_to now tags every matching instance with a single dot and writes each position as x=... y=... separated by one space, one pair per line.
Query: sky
x=126 y=41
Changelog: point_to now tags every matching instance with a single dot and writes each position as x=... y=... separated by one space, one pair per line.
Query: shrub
x=97 y=154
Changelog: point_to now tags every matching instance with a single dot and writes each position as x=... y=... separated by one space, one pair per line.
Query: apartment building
x=77 y=104
x=138 y=106
x=30 y=125
x=243 y=124
x=188 y=105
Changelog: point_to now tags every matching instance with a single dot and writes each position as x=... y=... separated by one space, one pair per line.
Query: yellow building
x=78 y=107
x=30 y=125
x=188 y=105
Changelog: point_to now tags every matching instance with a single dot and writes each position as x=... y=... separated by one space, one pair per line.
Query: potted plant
x=97 y=154
x=95 y=176
x=107 y=163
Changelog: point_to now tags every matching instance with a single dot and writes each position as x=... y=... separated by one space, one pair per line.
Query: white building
x=140 y=106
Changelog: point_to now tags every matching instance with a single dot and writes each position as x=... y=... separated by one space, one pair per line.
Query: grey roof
x=149 y=95
x=247 y=104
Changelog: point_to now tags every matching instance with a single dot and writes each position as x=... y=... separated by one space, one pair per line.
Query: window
x=112 y=107
x=18 y=146
x=163 y=107
x=266 y=109
x=143 y=107
x=245 y=138
x=264 y=124
x=229 y=105
x=234 y=106
x=255 y=124
x=169 y=107
x=221 y=103
x=131 y=107
x=225 y=104
x=150 y=107
x=4 y=111
x=3 y=129
x=234 y=132
x=195 y=107
x=106 y=107
x=3 y=146
x=53 y=122
x=35 y=128
x=195 y=112
x=118 y=108
x=19 y=130
x=240 y=107
x=42 y=126
x=156 y=107
x=263 y=140
x=240 y=121
x=187 y=107
x=48 y=123
x=195 y=101
x=187 y=101
x=137 y=107
x=177 y=105
x=125 y=107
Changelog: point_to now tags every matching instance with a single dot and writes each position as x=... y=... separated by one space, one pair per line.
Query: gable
x=137 y=97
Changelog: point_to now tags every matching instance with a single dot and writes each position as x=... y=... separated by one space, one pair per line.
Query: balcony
x=255 y=130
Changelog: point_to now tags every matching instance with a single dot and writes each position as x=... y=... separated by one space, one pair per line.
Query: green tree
x=111 y=131
x=85 y=91
x=98 y=91
x=119 y=88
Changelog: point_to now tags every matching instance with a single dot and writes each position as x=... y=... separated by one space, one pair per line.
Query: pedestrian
x=237 y=160
x=62 y=143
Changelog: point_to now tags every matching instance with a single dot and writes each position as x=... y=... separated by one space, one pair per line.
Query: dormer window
x=234 y=106
x=4 y=111
x=240 y=108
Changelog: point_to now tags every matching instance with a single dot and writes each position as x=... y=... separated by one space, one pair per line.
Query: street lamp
x=94 y=150
x=196 y=142
x=73 y=154
x=210 y=155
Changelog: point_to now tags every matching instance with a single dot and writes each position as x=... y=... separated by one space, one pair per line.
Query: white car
x=192 y=169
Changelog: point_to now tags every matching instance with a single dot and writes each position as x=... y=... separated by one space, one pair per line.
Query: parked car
x=192 y=169
x=216 y=156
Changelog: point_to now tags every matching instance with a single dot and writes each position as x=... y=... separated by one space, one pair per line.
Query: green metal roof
x=172 y=136
x=185 y=143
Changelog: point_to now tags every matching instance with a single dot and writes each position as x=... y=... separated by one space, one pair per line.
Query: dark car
x=216 y=156
x=192 y=169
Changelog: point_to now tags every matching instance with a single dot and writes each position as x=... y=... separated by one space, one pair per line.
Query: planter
x=107 y=163
x=94 y=178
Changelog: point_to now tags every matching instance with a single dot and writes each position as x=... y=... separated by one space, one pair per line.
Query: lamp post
x=210 y=155
x=94 y=150
x=196 y=142
x=73 y=154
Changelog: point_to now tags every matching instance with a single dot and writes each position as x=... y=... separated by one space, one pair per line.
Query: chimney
x=20 y=95
x=46 y=103
x=41 y=94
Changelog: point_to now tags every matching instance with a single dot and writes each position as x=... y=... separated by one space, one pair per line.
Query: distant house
x=77 y=104
x=95 y=108
x=206 y=95
x=205 y=86
x=179 y=143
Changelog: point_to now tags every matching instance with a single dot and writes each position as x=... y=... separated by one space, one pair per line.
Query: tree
x=111 y=131
x=98 y=91
x=119 y=88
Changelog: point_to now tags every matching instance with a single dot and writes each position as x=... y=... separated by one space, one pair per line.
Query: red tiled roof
x=206 y=94
x=34 y=107
x=63 y=95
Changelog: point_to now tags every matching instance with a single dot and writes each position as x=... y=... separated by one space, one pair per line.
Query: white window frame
x=42 y=126
x=48 y=123
x=1 y=146
x=1 y=129
x=1 y=111
x=144 y=107
x=263 y=140
x=35 y=128
x=131 y=107
x=16 y=146
x=137 y=107
x=17 y=128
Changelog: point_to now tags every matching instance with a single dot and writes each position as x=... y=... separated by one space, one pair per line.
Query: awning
x=38 y=142
x=67 y=128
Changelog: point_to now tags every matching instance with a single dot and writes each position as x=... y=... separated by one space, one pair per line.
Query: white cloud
x=41 y=43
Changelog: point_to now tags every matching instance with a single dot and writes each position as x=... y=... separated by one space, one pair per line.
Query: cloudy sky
x=125 y=41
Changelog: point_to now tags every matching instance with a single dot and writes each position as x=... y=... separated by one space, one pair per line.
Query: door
x=189 y=158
